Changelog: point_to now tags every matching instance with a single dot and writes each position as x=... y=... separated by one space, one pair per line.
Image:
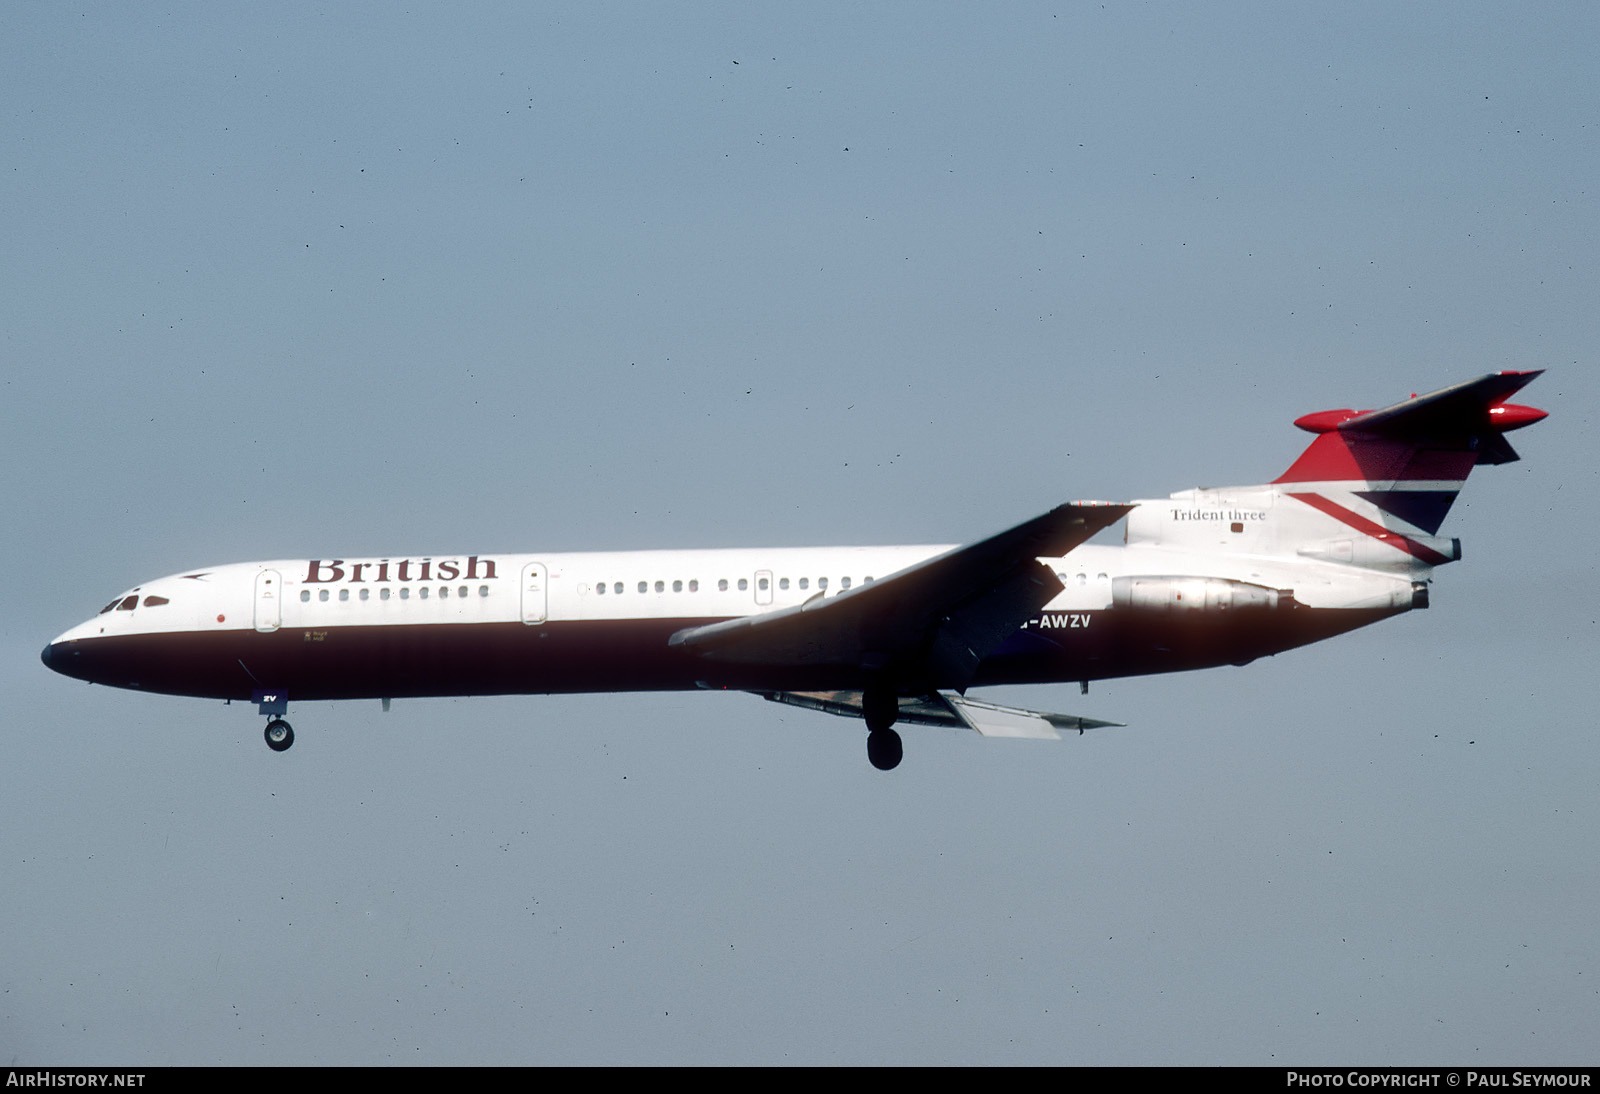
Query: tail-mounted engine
x=1387 y=551
x=1196 y=594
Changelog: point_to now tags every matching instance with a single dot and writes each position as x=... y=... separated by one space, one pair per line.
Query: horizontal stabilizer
x=1434 y=438
x=1473 y=413
x=1461 y=409
x=946 y=708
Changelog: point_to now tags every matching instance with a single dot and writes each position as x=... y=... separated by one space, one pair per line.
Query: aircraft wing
x=944 y=708
x=927 y=626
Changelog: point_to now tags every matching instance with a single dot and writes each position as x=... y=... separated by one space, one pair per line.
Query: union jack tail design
x=1384 y=479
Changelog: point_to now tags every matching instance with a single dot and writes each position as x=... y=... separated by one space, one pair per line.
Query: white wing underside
x=945 y=708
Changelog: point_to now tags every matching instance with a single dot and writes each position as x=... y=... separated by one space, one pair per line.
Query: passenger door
x=535 y=596
x=269 y=601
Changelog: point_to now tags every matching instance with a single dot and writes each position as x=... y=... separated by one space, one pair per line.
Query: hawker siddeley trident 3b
x=1345 y=537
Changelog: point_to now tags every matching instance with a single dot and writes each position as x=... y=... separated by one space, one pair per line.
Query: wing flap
x=951 y=711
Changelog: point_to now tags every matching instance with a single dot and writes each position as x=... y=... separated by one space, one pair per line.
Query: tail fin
x=1392 y=474
x=1370 y=491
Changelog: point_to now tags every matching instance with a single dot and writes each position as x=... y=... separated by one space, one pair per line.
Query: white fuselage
x=475 y=624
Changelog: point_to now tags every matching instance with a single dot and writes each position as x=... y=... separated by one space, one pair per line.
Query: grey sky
x=290 y=282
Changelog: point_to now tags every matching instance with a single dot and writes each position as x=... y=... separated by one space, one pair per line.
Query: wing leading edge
x=922 y=629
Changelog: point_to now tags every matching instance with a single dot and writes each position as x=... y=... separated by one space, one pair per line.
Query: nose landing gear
x=274 y=704
x=279 y=735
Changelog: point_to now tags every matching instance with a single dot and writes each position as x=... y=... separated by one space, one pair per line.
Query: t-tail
x=1370 y=492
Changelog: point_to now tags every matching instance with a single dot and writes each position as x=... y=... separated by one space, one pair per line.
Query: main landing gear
x=884 y=749
x=279 y=735
x=880 y=709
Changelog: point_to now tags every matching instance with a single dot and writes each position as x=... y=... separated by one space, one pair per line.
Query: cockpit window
x=111 y=605
x=155 y=601
x=128 y=604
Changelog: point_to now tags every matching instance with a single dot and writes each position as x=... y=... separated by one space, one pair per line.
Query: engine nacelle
x=1387 y=551
x=1195 y=594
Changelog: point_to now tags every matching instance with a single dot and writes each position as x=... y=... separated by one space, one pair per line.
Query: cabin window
x=155 y=601
x=783 y=583
x=805 y=582
x=744 y=583
x=365 y=593
x=722 y=587
x=322 y=595
x=694 y=585
x=383 y=594
x=462 y=591
x=601 y=588
x=763 y=584
x=677 y=586
x=617 y=588
x=405 y=592
x=344 y=594
x=822 y=583
x=305 y=596
x=444 y=591
x=423 y=592
x=661 y=586
x=844 y=583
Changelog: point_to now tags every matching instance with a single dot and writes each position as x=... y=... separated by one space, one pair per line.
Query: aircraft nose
x=58 y=656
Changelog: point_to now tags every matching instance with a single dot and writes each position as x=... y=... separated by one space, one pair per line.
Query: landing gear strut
x=881 y=709
x=279 y=735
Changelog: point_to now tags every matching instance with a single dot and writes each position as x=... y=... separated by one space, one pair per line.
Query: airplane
x=1212 y=576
